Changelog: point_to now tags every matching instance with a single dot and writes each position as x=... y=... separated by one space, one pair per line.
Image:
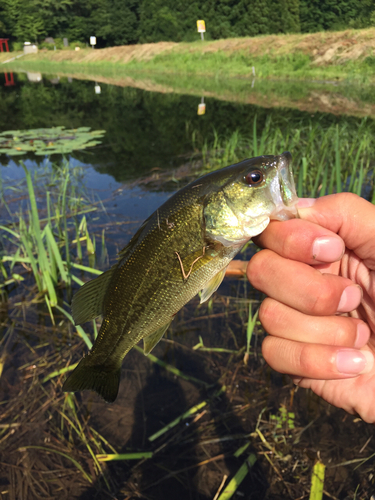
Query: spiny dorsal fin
x=151 y=340
x=87 y=303
x=212 y=285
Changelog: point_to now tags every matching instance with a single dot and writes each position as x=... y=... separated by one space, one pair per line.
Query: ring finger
x=283 y=321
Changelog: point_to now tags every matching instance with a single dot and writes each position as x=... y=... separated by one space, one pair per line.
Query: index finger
x=303 y=241
x=348 y=215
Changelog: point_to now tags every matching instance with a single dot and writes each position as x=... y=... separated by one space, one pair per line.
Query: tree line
x=122 y=22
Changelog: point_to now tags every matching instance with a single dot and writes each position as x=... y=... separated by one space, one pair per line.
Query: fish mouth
x=285 y=213
x=284 y=192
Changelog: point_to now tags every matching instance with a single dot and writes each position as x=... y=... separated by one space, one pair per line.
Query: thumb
x=349 y=216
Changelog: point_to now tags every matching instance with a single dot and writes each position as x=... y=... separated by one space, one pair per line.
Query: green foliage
x=43 y=141
x=284 y=419
x=120 y=22
x=319 y=15
x=45 y=244
x=124 y=20
x=171 y=20
x=159 y=21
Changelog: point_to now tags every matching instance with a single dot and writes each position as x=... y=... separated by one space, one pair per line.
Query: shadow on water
x=186 y=465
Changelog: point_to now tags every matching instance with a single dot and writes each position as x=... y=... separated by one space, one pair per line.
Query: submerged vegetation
x=203 y=416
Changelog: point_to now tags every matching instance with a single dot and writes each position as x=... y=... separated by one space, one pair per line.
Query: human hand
x=314 y=270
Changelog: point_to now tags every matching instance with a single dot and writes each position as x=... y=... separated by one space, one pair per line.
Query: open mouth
x=285 y=213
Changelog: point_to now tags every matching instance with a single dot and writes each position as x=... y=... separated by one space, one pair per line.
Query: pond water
x=152 y=144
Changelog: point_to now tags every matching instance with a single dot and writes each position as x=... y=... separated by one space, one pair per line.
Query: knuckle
x=323 y=298
x=256 y=268
x=306 y=363
x=271 y=315
x=288 y=243
x=267 y=349
x=350 y=198
x=266 y=312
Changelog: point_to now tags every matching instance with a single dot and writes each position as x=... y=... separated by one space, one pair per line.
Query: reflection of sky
x=120 y=201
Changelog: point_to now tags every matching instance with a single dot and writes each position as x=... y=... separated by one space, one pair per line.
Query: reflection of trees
x=145 y=130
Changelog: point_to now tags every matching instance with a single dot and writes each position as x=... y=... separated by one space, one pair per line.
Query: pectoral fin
x=212 y=285
x=151 y=340
x=87 y=303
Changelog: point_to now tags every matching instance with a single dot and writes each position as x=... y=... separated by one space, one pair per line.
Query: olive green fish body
x=181 y=249
x=148 y=286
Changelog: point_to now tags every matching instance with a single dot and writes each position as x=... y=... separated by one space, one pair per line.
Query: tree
x=319 y=15
x=124 y=21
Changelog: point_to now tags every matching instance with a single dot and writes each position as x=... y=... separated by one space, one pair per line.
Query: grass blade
x=172 y=369
x=56 y=253
x=317 y=481
x=338 y=163
x=237 y=479
x=124 y=456
x=187 y=414
x=59 y=372
x=81 y=332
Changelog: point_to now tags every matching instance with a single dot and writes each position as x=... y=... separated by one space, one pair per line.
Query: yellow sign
x=201 y=108
x=201 y=26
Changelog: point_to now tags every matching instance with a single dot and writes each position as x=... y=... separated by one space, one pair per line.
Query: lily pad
x=47 y=141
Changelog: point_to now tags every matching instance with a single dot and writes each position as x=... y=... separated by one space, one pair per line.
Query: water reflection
x=9 y=79
x=201 y=108
x=34 y=77
x=148 y=130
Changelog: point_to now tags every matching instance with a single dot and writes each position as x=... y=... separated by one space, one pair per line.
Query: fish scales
x=182 y=248
x=135 y=299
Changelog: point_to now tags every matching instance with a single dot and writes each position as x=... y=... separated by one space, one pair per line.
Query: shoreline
x=327 y=56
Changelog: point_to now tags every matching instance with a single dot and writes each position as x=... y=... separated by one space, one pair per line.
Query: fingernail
x=363 y=335
x=351 y=362
x=306 y=202
x=328 y=249
x=350 y=299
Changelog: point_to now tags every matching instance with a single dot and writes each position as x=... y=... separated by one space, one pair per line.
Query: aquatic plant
x=44 y=245
x=48 y=141
x=326 y=160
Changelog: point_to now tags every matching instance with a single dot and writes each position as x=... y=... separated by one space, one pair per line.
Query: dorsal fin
x=87 y=303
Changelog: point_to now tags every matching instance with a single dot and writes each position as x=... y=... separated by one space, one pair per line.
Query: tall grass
x=326 y=160
x=45 y=245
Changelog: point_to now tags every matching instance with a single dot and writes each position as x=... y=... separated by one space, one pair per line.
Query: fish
x=182 y=249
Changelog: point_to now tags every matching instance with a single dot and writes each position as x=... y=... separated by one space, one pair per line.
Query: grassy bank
x=337 y=56
x=343 y=98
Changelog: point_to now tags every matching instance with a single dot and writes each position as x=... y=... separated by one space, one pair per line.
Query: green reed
x=45 y=244
x=326 y=159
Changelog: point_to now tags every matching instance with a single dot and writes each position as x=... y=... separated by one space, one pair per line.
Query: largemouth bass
x=181 y=249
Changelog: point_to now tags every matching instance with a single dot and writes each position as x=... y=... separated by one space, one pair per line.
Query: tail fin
x=94 y=378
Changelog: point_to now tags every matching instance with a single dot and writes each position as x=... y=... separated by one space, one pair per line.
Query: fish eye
x=254 y=178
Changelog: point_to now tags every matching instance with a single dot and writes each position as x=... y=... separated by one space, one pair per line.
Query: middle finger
x=301 y=286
